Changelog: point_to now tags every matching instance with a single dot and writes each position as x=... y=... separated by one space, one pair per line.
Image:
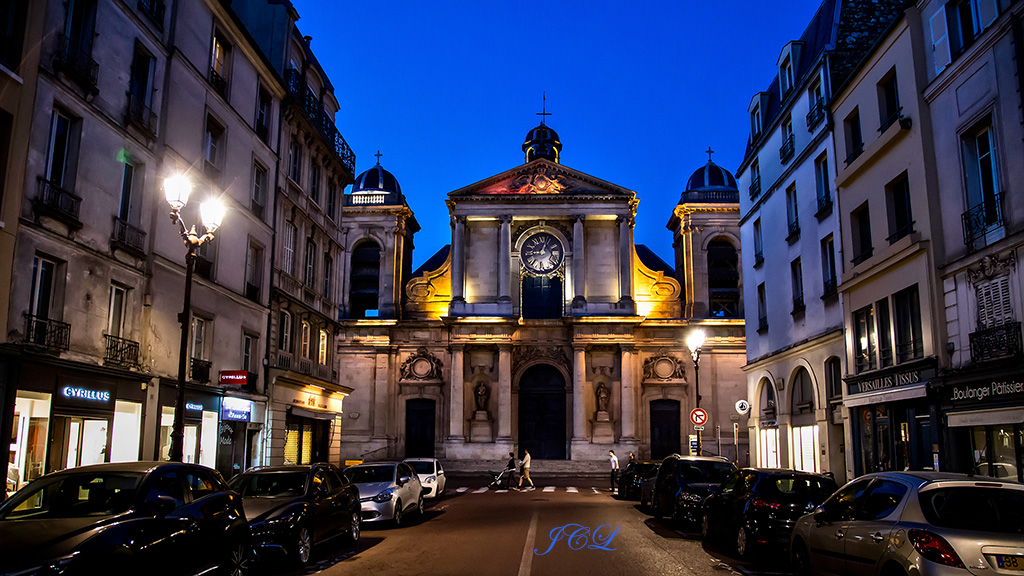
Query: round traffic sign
x=742 y=406
x=698 y=416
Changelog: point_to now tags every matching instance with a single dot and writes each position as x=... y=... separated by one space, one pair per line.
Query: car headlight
x=283 y=520
x=429 y=479
x=384 y=495
x=691 y=497
x=53 y=567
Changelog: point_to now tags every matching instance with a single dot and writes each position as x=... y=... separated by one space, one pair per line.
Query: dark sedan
x=684 y=482
x=291 y=508
x=633 y=477
x=127 y=518
x=759 y=506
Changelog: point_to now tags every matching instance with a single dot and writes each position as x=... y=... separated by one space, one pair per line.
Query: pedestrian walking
x=631 y=461
x=615 y=469
x=510 y=468
x=524 y=473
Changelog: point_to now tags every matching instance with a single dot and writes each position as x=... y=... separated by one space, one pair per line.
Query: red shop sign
x=234 y=377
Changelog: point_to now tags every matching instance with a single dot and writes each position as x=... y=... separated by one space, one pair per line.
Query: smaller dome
x=711 y=177
x=542 y=142
x=376 y=179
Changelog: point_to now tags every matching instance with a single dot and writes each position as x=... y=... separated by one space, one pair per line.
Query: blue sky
x=637 y=90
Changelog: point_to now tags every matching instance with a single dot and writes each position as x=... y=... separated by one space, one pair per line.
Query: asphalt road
x=478 y=531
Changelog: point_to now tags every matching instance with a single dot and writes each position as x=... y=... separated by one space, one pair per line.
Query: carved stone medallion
x=422 y=366
x=664 y=367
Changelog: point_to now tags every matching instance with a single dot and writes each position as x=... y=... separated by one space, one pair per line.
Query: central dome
x=542 y=142
x=376 y=179
x=711 y=178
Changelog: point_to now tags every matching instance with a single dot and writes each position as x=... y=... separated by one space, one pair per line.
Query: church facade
x=542 y=326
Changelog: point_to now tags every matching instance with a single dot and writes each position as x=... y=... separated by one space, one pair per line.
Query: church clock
x=542 y=253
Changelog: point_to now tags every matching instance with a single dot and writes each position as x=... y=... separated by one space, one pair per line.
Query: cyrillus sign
x=85 y=394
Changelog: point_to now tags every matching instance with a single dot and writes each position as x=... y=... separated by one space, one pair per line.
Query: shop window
x=127 y=431
x=864 y=339
x=202 y=431
x=768 y=448
x=29 y=439
x=322 y=348
x=723 y=280
x=909 y=339
x=306 y=440
x=805 y=443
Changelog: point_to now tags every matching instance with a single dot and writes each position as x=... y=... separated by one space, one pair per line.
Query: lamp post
x=176 y=191
x=694 y=342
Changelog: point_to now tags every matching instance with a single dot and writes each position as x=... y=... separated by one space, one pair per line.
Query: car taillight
x=934 y=547
x=762 y=503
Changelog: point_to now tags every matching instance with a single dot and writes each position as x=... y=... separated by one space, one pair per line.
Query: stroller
x=506 y=476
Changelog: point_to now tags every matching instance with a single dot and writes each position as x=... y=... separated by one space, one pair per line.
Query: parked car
x=387 y=490
x=997 y=470
x=431 y=475
x=293 y=508
x=647 y=488
x=633 y=476
x=914 y=523
x=684 y=482
x=125 y=518
x=760 y=506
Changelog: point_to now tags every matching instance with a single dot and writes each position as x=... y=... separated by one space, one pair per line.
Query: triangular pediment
x=542 y=177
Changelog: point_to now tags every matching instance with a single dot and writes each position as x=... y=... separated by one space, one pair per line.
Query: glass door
x=83 y=440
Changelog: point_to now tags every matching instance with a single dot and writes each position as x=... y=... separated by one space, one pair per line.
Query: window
x=786 y=76
x=816 y=103
x=762 y=308
x=994 y=305
x=310 y=263
x=365 y=283
x=909 y=339
x=884 y=333
x=116 y=311
x=758 y=245
x=983 y=220
x=213 y=144
x=755 y=179
x=786 y=150
x=864 y=339
x=821 y=181
x=140 y=93
x=259 y=188
x=804 y=428
x=264 y=104
x=12 y=29
x=833 y=378
x=322 y=348
x=888 y=101
x=314 y=182
x=44 y=272
x=332 y=201
x=58 y=164
x=828 y=265
x=295 y=161
x=305 y=339
x=796 y=275
x=966 y=20
x=220 y=62
x=249 y=352
x=253 y=271
x=860 y=227
x=723 y=280
x=205 y=258
x=755 y=122
x=198 y=338
x=79 y=27
x=291 y=235
x=792 y=216
x=284 y=332
x=328 y=272
x=854 y=139
x=124 y=209
x=897 y=199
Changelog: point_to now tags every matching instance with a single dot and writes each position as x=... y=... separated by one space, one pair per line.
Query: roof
x=142 y=467
x=653 y=261
x=434 y=262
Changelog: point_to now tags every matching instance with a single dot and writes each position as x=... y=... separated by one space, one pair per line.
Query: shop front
x=308 y=417
x=68 y=418
x=894 y=419
x=202 y=423
x=239 y=432
x=985 y=424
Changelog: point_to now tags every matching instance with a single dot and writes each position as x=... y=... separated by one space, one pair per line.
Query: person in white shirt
x=615 y=469
x=525 y=473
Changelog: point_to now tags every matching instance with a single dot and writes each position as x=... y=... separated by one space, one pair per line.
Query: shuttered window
x=994 y=307
x=940 y=39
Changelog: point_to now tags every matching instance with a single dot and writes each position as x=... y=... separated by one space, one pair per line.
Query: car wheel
x=801 y=560
x=705 y=529
x=237 y=563
x=354 y=528
x=419 y=507
x=397 y=517
x=303 y=545
x=742 y=543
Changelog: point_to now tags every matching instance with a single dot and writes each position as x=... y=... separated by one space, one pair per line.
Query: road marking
x=501 y=491
x=549 y=488
x=571 y=489
x=461 y=490
x=480 y=490
x=596 y=491
x=531 y=537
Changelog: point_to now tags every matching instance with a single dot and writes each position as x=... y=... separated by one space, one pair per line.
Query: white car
x=431 y=475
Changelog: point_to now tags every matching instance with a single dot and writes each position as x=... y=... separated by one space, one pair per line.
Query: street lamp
x=694 y=342
x=176 y=191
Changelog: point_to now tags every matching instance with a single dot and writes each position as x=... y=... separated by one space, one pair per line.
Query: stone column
x=578 y=269
x=458 y=260
x=625 y=262
x=458 y=383
x=579 y=377
x=504 y=392
x=505 y=260
x=628 y=393
x=381 y=413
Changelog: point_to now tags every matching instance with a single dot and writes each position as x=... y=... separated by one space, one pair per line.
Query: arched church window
x=364 y=286
x=542 y=297
x=723 y=280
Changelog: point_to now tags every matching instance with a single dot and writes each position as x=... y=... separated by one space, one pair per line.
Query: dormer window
x=755 y=121
x=786 y=76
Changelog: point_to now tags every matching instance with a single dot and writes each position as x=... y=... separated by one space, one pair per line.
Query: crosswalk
x=548 y=489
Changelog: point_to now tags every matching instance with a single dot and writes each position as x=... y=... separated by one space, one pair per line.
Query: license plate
x=1008 y=562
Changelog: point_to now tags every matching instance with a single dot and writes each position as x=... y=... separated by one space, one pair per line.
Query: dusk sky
x=637 y=91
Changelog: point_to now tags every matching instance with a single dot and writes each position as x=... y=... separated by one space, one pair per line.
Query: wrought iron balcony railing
x=794 y=231
x=52 y=335
x=58 y=202
x=252 y=292
x=201 y=370
x=154 y=10
x=762 y=323
x=998 y=342
x=312 y=109
x=905 y=229
x=798 y=303
x=204 y=267
x=121 y=351
x=982 y=218
x=816 y=114
x=855 y=153
x=755 y=187
x=829 y=287
x=864 y=255
x=128 y=236
x=76 y=63
x=786 y=150
x=891 y=119
x=824 y=206
x=758 y=258
x=141 y=116
x=219 y=82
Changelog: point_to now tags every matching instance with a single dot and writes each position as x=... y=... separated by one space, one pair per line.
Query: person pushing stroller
x=507 y=477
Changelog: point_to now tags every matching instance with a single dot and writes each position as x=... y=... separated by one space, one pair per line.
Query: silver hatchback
x=920 y=523
x=387 y=490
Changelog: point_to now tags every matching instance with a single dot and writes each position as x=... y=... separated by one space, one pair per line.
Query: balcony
x=201 y=370
x=798 y=304
x=816 y=114
x=59 y=203
x=52 y=335
x=864 y=255
x=76 y=64
x=755 y=187
x=786 y=151
x=128 y=238
x=824 y=206
x=794 y=231
x=263 y=132
x=711 y=196
x=154 y=10
x=995 y=343
x=204 y=267
x=252 y=292
x=141 y=116
x=219 y=83
x=121 y=351
x=758 y=258
x=981 y=220
x=891 y=120
x=312 y=109
x=830 y=287
x=904 y=230
x=762 y=323
x=858 y=149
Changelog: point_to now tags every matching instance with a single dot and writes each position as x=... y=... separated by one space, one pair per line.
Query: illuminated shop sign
x=78 y=393
x=234 y=377
x=193 y=406
x=891 y=380
x=983 y=392
x=236 y=409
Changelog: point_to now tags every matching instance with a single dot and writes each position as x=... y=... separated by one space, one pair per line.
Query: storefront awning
x=985 y=417
x=318 y=414
x=892 y=395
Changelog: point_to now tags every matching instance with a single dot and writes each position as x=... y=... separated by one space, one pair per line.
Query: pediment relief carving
x=522 y=355
x=422 y=366
x=990 y=267
x=664 y=368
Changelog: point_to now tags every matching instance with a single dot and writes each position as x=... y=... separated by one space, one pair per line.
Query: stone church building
x=542 y=326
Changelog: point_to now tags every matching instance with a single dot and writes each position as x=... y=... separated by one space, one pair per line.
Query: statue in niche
x=602 y=397
x=482 y=394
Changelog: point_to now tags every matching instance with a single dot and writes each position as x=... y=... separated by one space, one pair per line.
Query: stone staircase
x=538 y=468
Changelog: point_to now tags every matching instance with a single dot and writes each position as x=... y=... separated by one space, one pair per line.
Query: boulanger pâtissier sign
x=986 y=392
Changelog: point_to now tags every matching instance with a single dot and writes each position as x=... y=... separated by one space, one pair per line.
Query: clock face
x=542 y=253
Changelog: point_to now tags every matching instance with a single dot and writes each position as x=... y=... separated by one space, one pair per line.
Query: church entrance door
x=542 y=413
x=665 y=429
x=419 y=428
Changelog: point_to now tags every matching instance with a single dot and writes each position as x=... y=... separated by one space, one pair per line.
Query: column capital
x=627 y=347
x=579 y=217
x=505 y=347
x=579 y=347
x=505 y=218
x=456 y=348
x=460 y=219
